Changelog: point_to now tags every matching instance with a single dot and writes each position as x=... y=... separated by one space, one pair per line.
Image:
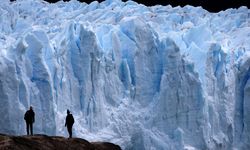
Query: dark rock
x=105 y=146
x=44 y=142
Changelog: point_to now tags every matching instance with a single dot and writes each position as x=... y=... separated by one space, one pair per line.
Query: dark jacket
x=29 y=116
x=69 y=120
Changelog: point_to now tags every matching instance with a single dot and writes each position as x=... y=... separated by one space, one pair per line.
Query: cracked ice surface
x=142 y=77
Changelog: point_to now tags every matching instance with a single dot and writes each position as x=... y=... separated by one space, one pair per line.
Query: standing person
x=69 y=122
x=29 y=117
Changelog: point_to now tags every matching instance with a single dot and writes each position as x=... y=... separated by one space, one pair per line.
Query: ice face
x=141 y=77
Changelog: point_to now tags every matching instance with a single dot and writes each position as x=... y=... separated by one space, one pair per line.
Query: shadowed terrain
x=44 y=142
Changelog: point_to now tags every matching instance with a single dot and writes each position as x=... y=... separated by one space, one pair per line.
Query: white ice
x=152 y=78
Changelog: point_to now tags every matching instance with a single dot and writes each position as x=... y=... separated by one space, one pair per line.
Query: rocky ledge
x=44 y=142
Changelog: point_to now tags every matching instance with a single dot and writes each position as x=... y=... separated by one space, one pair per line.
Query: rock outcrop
x=44 y=142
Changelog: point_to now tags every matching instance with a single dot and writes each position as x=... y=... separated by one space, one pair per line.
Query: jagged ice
x=157 y=77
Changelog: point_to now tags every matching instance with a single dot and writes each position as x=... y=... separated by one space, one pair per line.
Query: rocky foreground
x=44 y=142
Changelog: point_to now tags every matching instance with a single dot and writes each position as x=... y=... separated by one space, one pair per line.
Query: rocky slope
x=43 y=142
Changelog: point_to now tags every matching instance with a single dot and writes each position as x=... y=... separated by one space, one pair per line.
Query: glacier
x=152 y=78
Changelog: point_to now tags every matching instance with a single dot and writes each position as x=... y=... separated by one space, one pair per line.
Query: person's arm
x=34 y=118
x=66 y=122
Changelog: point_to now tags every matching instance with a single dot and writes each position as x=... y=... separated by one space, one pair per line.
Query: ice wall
x=141 y=77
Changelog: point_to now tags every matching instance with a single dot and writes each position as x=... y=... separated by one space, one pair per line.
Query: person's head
x=31 y=108
x=68 y=112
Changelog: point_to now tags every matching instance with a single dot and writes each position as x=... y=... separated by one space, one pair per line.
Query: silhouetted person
x=29 y=117
x=69 y=122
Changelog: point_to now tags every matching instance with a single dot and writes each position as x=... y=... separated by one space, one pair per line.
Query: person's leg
x=27 y=128
x=70 y=131
x=31 y=128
